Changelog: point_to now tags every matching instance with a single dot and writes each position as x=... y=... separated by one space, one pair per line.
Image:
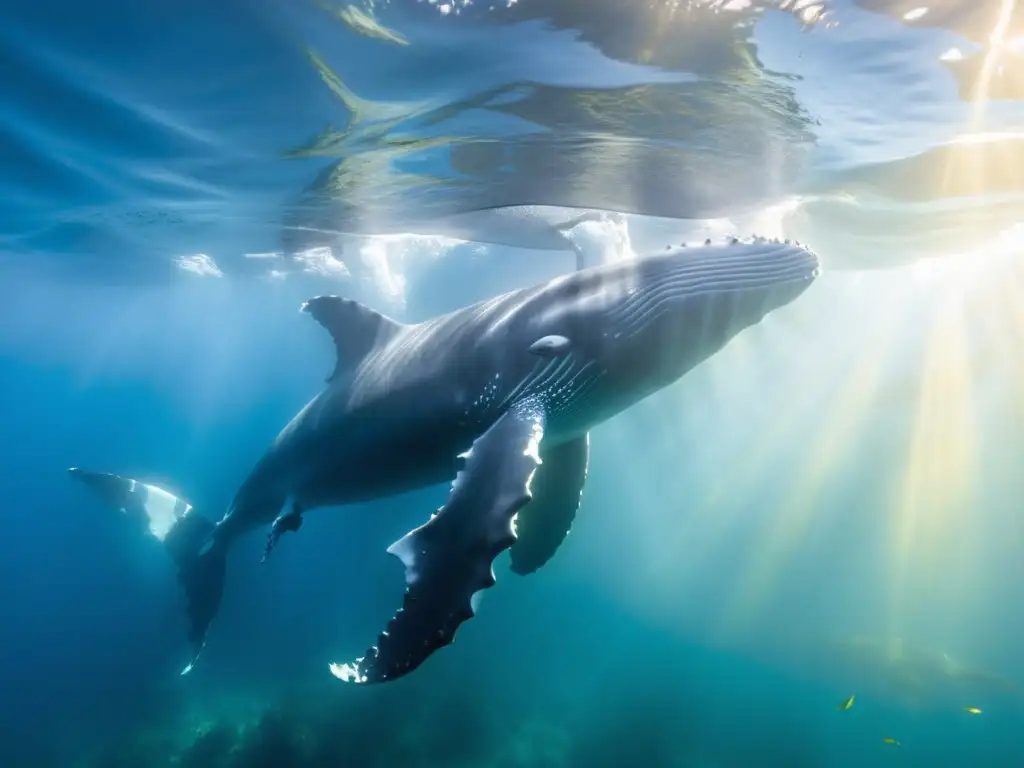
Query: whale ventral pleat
x=355 y=328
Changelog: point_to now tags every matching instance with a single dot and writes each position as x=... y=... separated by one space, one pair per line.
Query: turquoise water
x=829 y=507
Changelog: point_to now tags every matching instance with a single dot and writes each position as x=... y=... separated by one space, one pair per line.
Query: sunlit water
x=829 y=507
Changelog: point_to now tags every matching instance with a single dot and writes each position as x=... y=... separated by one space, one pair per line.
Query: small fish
x=891 y=740
x=972 y=710
x=846 y=704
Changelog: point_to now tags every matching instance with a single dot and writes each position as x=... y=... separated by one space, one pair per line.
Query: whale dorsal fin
x=355 y=328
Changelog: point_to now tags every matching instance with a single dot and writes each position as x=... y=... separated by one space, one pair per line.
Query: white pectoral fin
x=543 y=524
x=449 y=559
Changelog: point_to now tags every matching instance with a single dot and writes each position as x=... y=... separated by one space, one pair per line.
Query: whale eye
x=550 y=346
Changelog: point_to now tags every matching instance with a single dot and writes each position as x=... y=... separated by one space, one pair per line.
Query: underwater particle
x=846 y=704
x=972 y=710
x=891 y=740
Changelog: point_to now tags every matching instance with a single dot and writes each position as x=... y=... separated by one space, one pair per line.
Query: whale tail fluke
x=189 y=538
x=201 y=559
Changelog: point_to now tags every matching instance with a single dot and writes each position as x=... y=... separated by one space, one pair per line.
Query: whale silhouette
x=501 y=396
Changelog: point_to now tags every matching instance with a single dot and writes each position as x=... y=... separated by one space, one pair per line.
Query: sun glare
x=785 y=433
x=932 y=524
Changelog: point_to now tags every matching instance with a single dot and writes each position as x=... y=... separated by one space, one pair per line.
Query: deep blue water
x=828 y=507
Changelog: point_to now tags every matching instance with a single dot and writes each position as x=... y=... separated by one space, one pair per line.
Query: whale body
x=501 y=396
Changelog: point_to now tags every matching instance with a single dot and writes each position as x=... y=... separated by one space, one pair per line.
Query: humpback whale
x=499 y=398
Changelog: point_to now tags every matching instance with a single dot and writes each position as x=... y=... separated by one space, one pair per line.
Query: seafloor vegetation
x=621 y=726
x=651 y=706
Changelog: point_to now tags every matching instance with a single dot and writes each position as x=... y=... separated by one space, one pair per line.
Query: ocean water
x=829 y=507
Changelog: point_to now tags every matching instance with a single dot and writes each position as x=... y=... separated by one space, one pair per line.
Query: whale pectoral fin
x=543 y=524
x=448 y=560
x=355 y=328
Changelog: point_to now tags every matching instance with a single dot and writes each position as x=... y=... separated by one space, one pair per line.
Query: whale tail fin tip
x=189 y=538
x=201 y=559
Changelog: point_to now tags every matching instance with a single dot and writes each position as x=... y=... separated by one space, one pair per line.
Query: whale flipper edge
x=557 y=488
x=449 y=559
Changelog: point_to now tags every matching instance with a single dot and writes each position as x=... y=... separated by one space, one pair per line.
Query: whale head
x=661 y=315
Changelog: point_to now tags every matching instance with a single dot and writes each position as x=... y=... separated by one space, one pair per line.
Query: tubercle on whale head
x=736 y=240
x=725 y=244
x=754 y=247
